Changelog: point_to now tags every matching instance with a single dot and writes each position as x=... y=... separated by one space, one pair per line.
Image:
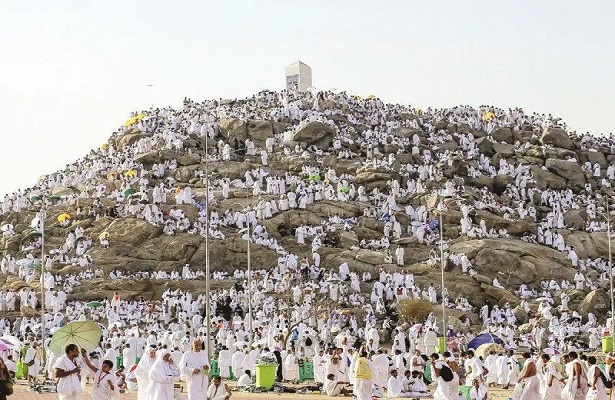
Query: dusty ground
x=22 y=393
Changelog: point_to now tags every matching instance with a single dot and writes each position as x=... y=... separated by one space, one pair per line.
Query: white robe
x=196 y=384
x=161 y=377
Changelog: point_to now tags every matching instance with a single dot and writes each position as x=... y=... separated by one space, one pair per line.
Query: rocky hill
x=512 y=174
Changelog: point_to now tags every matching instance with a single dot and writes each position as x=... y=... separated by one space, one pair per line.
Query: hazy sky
x=72 y=71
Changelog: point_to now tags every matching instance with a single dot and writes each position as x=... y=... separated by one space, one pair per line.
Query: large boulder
x=547 y=180
x=151 y=157
x=485 y=146
x=233 y=128
x=514 y=227
x=189 y=159
x=503 y=134
x=315 y=133
x=127 y=139
x=557 y=137
x=576 y=218
x=260 y=130
x=126 y=233
x=519 y=261
x=569 y=170
x=504 y=149
x=597 y=302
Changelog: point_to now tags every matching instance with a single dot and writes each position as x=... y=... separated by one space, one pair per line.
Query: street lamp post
x=441 y=208
x=442 y=276
x=608 y=235
x=250 y=332
x=207 y=272
x=608 y=217
x=43 y=199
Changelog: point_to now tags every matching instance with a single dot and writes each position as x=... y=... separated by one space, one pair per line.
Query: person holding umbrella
x=68 y=371
x=104 y=387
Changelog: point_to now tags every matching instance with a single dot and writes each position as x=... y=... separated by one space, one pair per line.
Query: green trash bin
x=441 y=345
x=119 y=361
x=607 y=344
x=308 y=371
x=214 y=369
x=265 y=375
x=301 y=373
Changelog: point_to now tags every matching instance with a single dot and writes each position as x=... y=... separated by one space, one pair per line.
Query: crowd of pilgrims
x=143 y=193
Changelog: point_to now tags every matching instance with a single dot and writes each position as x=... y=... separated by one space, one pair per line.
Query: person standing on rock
x=399 y=255
x=194 y=366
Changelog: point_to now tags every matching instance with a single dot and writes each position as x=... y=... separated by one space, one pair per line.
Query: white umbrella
x=12 y=339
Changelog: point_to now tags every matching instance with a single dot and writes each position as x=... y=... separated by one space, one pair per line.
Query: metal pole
x=442 y=273
x=608 y=225
x=207 y=287
x=44 y=356
x=250 y=332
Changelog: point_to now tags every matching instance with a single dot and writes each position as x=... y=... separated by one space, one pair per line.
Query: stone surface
x=315 y=133
x=556 y=137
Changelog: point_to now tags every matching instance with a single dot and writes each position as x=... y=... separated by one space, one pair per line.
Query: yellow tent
x=63 y=217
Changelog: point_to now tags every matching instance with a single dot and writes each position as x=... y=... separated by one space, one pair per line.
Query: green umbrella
x=94 y=304
x=35 y=199
x=129 y=191
x=85 y=334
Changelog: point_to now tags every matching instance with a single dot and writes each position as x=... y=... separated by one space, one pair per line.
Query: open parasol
x=85 y=334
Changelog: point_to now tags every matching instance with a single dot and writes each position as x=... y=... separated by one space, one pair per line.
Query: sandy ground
x=22 y=393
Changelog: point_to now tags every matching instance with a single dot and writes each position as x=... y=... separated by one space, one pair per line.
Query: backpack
x=446 y=373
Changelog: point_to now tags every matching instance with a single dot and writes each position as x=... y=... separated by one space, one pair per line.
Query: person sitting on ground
x=418 y=388
x=334 y=388
x=244 y=380
x=478 y=391
x=218 y=390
